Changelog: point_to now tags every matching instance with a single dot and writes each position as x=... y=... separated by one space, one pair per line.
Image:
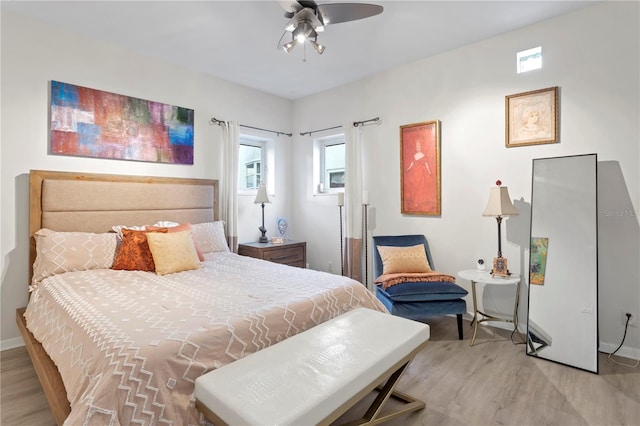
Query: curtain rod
x=355 y=124
x=221 y=122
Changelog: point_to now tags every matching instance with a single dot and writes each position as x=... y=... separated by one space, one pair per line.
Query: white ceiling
x=236 y=40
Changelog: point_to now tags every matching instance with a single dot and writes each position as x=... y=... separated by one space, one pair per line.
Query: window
x=331 y=163
x=251 y=163
x=252 y=174
x=529 y=60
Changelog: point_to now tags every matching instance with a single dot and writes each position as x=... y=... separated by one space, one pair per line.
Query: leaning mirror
x=562 y=323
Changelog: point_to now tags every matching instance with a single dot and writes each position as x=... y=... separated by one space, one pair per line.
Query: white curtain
x=229 y=186
x=353 y=203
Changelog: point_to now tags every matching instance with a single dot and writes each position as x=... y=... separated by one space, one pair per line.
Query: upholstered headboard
x=86 y=202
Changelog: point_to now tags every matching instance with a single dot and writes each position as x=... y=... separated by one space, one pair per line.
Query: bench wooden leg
x=459 y=318
x=371 y=417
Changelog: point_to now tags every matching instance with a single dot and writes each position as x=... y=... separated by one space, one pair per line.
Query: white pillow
x=118 y=229
x=166 y=224
x=210 y=237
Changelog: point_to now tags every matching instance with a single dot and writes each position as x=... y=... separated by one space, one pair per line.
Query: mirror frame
x=567 y=219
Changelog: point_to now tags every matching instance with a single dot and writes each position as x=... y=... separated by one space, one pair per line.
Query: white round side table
x=484 y=277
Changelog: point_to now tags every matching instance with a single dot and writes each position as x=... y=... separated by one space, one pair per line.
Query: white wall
x=33 y=54
x=592 y=55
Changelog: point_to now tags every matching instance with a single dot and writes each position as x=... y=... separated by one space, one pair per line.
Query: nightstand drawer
x=292 y=253
x=285 y=255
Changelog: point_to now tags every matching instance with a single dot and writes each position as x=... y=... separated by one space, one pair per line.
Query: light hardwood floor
x=491 y=383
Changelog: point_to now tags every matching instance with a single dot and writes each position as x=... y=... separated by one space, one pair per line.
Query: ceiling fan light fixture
x=288 y=47
x=304 y=31
x=319 y=47
x=307 y=19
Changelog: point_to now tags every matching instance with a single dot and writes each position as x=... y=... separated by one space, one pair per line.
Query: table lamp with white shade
x=500 y=205
x=262 y=198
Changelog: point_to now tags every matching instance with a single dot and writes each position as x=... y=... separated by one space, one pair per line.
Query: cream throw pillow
x=173 y=252
x=410 y=259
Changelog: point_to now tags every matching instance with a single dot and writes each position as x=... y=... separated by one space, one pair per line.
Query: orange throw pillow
x=134 y=253
x=180 y=228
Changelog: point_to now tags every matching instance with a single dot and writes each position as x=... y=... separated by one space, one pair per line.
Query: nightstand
x=292 y=253
x=484 y=277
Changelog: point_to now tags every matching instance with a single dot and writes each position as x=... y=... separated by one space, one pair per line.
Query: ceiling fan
x=308 y=18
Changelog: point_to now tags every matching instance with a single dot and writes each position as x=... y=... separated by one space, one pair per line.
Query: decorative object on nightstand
x=480 y=265
x=262 y=198
x=500 y=205
x=341 y=204
x=282 y=227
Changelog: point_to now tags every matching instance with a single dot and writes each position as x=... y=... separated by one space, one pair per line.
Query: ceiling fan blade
x=308 y=3
x=306 y=14
x=335 y=13
x=291 y=7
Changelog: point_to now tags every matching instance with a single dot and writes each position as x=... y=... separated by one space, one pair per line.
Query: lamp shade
x=500 y=203
x=261 y=196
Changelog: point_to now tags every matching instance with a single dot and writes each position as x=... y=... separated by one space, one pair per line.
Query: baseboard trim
x=14 y=342
x=624 y=351
x=604 y=347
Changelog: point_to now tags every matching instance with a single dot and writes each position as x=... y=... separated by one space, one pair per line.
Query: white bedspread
x=130 y=344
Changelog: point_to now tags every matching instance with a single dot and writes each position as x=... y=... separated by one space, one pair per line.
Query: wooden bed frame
x=86 y=202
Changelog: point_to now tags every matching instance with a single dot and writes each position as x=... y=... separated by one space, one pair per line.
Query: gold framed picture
x=532 y=118
x=420 y=168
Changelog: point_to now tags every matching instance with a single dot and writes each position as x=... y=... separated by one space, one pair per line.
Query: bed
x=115 y=346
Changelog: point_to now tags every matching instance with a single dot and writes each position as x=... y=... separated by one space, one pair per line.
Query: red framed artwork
x=420 y=168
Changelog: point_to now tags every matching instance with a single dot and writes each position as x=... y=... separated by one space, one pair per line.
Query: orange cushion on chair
x=406 y=259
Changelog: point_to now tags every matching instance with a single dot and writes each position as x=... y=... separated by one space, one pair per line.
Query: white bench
x=316 y=376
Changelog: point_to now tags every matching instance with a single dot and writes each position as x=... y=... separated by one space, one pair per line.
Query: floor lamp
x=340 y=205
x=365 y=213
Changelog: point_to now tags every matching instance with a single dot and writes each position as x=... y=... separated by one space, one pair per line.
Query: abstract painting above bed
x=129 y=344
x=94 y=123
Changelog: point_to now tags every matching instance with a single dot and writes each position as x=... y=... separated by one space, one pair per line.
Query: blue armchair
x=418 y=300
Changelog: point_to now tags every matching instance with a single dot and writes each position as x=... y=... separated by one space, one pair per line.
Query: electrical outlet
x=633 y=321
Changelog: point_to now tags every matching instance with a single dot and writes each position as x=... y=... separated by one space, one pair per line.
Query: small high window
x=331 y=163
x=251 y=161
x=529 y=60
x=333 y=160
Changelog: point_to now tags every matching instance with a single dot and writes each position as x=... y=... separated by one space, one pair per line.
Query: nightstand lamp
x=500 y=205
x=261 y=198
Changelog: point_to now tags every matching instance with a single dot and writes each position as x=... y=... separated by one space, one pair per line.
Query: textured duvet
x=129 y=345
